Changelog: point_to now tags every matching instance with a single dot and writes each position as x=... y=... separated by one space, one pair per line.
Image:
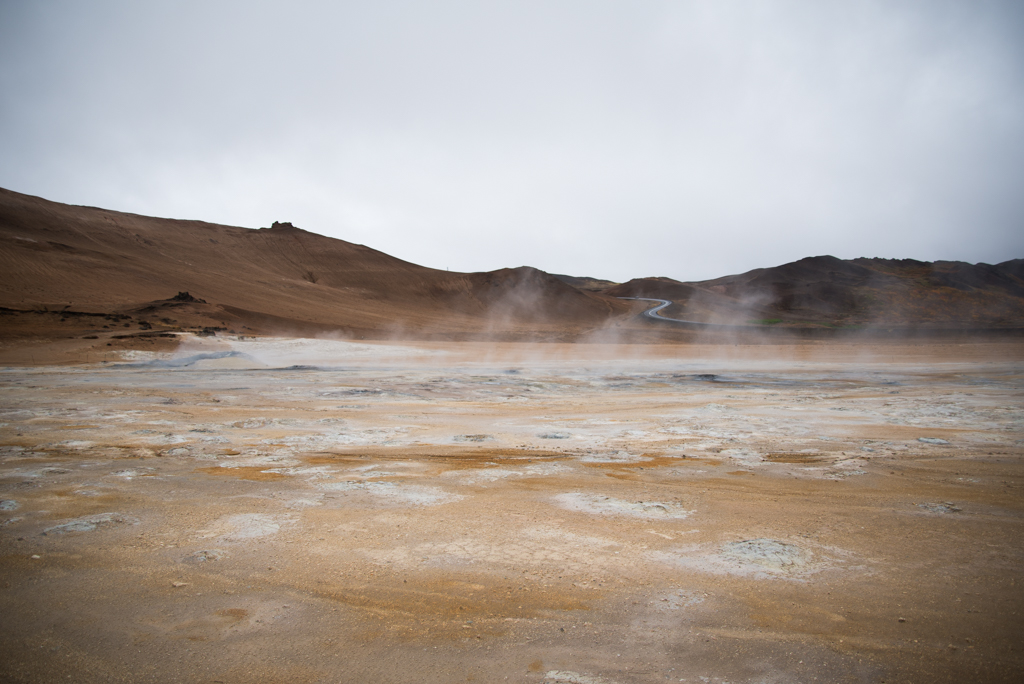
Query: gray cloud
x=618 y=140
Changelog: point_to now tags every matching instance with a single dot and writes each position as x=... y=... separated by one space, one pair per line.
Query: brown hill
x=586 y=282
x=826 y=291
x=79 y=260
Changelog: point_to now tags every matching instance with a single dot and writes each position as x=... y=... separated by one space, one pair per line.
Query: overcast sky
x=608 y=139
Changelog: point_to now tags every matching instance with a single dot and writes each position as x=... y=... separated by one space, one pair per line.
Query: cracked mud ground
x=303 y=511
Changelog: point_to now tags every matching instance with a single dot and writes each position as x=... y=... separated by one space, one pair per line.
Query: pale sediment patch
x=408 y=495
x=487 y=475
x=483 y=475
x=395 y=469
x=305 y=502
x=757 y=558
x=568 y=677
x=77 y=444
x=311 y=472
x=132 y=473
x=612 y=457
x=324 y=440
x=604 y=505
x=244 y=526
x=88 y=523
x=769 y=554
x=473 y=438
x=841 y=473
x=539 y=548
x=747 y=457
x=258 y=460
x=677 y=600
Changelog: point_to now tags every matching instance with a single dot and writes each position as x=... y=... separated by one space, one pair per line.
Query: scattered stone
x=932 y=440
x=186 y=297
x=944 y=507
x=206 y=555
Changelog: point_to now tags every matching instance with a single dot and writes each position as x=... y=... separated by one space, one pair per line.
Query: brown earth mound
x=586 y=282
x=282 y=279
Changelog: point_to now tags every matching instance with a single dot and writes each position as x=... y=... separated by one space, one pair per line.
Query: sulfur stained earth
x=310 y=511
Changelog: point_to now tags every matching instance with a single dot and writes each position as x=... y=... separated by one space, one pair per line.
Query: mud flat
x=308 y=511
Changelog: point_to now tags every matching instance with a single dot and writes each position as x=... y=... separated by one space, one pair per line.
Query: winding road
x=662 y=303
x=815 y=332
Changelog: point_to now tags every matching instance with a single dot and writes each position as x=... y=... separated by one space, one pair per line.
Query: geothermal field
x=300 y=510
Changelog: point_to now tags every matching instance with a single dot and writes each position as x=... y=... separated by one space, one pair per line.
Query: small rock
x=206 y=555
x=179 y=584
x=944 y=507
x=932 y=440
x=902 y=619
x=35 y=556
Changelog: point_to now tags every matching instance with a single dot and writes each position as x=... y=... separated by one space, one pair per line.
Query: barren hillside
x=826 y=291
x=56 y=257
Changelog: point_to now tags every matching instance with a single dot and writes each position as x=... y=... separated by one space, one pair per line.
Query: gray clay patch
x=472 y=438
x=597 y=504
x=89 y=523
x=249 y=526
x=769 y=554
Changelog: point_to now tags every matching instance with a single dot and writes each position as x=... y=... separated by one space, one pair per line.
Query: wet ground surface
x=331 y=512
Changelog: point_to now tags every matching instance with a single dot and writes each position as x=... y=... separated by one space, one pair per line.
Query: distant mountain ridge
x=826 y=291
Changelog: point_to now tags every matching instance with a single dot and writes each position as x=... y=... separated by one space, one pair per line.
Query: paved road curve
x=662 y=303
x=815 y=332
